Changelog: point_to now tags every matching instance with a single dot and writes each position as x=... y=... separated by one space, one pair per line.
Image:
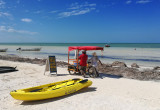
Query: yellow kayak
x=50 y=90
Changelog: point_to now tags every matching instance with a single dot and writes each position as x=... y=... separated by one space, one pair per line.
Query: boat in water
x=33 y=49
x=107 y=45
x=51 y=90
x=3 y=50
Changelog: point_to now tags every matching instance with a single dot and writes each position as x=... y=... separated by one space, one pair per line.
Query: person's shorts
x=82 y=68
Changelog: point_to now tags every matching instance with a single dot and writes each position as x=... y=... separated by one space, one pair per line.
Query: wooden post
x=77 y=60
x=68 y=57
x=47 y=67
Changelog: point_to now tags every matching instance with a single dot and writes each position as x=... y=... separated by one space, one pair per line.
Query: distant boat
x=33 y=49
x=3 y=50
x=107 y=45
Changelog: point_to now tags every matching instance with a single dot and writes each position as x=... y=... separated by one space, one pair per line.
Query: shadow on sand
x=103 y=75
x=53 y=75
x=89 y=89
x=62 y=74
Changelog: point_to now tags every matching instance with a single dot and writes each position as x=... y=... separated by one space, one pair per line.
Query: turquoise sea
x=127 y=45
x=145 y=54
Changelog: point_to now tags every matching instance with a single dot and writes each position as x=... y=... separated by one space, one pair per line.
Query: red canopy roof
x=84 y=48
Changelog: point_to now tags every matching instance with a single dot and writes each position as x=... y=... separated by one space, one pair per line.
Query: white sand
x=107 y=93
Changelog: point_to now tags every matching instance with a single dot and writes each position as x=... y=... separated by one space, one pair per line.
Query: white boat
x=33 y=49
x=3 y=50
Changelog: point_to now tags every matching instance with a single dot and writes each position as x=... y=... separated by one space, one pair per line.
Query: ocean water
x=142 y=54
x=124 y=45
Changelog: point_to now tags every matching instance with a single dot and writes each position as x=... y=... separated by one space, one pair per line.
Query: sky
x=80 y=21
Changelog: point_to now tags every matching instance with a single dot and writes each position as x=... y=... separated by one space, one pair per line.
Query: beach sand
x=106 y=93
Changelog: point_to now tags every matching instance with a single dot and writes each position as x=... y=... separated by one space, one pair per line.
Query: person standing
x=94 y=61
x=83 y=63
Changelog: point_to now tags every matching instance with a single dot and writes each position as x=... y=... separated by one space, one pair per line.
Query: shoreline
x=142 y=56
x=117 y=68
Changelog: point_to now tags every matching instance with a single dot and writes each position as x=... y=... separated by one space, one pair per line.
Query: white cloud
x=5 y=14
x=77 y=9
x=78 y=6
x=128 y=2
x=2 y=3
x=75 y=12
x=26 y=20
x=12 y=30
x=2 y=28
x=55 y=11
x=143 y=1
x=25 y=32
